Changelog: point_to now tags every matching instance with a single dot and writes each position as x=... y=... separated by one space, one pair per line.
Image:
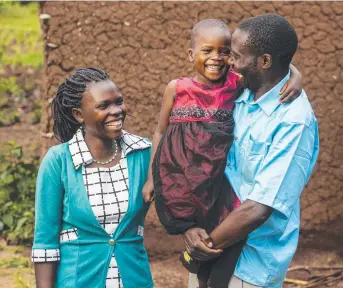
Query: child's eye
x=120 y=102
x=102 y=106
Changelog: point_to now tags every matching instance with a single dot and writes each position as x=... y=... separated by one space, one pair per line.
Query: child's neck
x=203 y=80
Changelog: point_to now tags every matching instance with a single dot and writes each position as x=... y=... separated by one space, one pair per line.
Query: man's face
x=244 y=62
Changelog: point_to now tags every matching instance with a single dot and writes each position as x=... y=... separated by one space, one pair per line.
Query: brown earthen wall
x=143 y=46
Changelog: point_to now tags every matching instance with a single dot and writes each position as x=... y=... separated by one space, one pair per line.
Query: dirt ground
x=167 y=273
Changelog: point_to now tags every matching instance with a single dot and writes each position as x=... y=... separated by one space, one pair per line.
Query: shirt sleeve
x=48 y=209
x=45 y=255
x=286 y=168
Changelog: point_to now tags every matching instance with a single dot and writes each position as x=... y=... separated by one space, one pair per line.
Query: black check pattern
x=108 y=192
x=113 y=278
x=68 y=235
x=79 y=150
x=131 y=142
x=45 y=255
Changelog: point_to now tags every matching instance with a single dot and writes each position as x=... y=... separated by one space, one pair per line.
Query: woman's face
x=102 y=110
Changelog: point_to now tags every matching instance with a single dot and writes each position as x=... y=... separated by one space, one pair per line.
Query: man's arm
x=240 y=223
x=278 y=183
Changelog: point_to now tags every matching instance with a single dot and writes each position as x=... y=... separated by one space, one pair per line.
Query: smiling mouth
x=214 y=68
x=117 y=124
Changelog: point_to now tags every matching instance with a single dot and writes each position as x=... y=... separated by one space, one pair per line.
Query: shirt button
x=227 y=163
x=111 y=242
x=236 y=138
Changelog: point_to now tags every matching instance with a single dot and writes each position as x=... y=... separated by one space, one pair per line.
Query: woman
x=89 y=206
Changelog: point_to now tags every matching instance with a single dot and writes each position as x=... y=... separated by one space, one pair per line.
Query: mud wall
x=143 y=46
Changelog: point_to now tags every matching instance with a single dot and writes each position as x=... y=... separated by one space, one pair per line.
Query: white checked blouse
x=107 y=190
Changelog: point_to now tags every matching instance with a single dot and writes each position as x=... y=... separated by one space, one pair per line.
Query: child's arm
x=293 y=87
x=163 y=123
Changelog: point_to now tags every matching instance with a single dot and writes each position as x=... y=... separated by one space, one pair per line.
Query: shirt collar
x=268 y=101
x=81 y=155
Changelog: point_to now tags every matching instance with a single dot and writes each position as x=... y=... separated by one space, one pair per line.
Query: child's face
x=210 y=55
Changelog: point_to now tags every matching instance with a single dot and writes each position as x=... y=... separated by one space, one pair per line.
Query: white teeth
x=115 y=124
x=213 y=68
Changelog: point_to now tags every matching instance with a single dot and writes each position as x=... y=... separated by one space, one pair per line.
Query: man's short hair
x=207 y=24
x=271 y=34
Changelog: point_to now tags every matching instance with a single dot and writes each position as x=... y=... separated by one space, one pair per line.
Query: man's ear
x=77 y=113
x=191 y=55
x=266 y=61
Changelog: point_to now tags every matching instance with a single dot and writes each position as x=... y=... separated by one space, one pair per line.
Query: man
x=275 y=149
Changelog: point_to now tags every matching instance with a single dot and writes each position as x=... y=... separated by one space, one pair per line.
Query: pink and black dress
x=190 y=160
x=191 y=189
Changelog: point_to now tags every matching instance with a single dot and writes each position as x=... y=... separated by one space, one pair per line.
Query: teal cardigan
x=62 y=203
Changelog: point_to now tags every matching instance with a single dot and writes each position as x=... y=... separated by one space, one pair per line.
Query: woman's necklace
x=112 y=158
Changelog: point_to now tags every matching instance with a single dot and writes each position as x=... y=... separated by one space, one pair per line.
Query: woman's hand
x=45 y=274
x=292 y=88
x=148 y=191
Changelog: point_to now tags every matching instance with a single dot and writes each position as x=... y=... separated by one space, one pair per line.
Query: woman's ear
x=77 y=113
x=191 y=55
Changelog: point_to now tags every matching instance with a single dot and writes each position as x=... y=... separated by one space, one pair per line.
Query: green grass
x=20 y=35
x=21 y=50
x=9 y=85
x=15 y=262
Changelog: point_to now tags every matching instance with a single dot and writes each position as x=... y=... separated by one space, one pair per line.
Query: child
x=190 y=145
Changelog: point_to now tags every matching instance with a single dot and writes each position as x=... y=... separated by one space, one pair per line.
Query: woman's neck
x=101 y=149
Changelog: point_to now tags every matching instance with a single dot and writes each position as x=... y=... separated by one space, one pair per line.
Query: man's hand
x=195 y=239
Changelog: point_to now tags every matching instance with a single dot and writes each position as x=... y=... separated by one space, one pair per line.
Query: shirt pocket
x=255 y=153
x=68 y=235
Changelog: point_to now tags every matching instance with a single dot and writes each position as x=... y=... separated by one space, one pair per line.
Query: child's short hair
x=207 y=24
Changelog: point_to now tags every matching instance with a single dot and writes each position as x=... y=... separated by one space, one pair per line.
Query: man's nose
x=230 y=61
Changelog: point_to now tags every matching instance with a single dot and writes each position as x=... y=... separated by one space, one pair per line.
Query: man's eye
x=206 y=51
x=234 y=56
x=120 y=102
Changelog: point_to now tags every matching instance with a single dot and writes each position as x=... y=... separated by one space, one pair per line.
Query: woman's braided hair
x=69 y=96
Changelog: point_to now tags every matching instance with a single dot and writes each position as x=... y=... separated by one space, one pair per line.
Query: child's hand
x=291 y=90
x=148 y=191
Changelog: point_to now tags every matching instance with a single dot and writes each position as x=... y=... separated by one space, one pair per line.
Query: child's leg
x=223 y=269
x=204 y=272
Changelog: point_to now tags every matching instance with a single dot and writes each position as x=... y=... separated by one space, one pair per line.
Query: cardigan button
x=111 y=242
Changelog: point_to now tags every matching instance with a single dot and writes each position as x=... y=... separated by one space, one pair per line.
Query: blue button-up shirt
x=274 y=152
